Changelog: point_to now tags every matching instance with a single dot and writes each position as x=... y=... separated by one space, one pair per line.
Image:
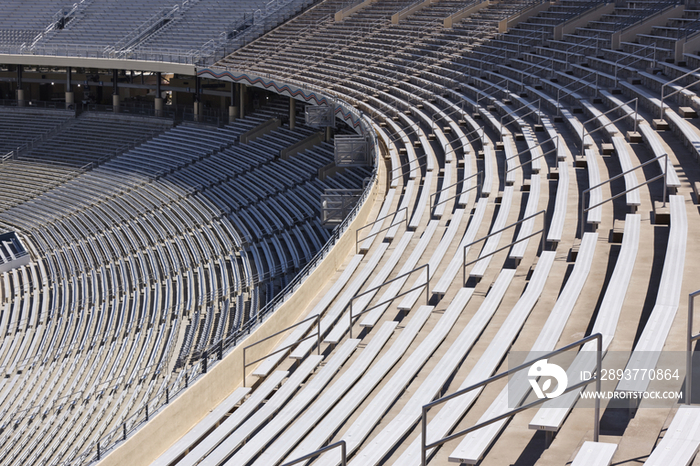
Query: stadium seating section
x=500 y=125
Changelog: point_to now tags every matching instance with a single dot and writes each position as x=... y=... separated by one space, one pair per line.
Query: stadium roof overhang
x=102 y=63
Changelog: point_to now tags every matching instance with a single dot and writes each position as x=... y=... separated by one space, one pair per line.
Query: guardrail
x=661 y=116
x=466 y=247
x=405 y=219
x=585 y=209
x=343 y=454
x=515 y=117
x=585 y=132
x=316 y=318
x=425 y=446
x=529 y=149
x=479 y=183
x=572 y=91
x=420 y=165
x=359 y=295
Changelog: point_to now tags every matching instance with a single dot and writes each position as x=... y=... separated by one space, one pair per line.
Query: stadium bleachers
x=161 y=248
x=144 y=261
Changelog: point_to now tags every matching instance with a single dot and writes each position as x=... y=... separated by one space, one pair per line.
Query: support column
x=159 y=98
x=292 y=113
x=20 y=91
x=197 y=106
x=70 y=97
x=232 y=109
x=241 y=99
x=115 y=90
x=329 y=133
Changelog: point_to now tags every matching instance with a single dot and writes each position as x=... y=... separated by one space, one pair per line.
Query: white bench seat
x=475 y=444
x=410 y=414
x=518 y=250
x=682 y=440
x=359 y=392
x=312 y=416
x=358 y=431
x=552 y=414
x=479 y=268
x=217 y=445
x=621 y=148
x=595 y=454
x=295 y=406
x=658 y=326
x=410 y=299
x=457 y=259
x=372 y=317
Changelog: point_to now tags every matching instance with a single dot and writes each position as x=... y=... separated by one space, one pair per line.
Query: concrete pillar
x=20 y=91
x=159 y=96
x=115 y=90
x=292 y=113
x=197 y=103
x=70 y=98
x=329 y=133
x=241 y=99
x=232 y=108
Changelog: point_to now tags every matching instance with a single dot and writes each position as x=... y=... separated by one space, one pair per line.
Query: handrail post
x=583 y=211
x=424 y=435
x=689 y=349
x=665 y=177
x=318 y=335
x=427 y=284
x=599 y=368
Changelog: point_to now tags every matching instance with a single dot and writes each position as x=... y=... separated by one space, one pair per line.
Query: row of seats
x=138 y=266
x=541 y=321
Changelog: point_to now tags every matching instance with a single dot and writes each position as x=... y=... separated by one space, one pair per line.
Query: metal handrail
x=556 y=149
x=585 y=209
x=676 y=91
x=343 y=453
x=653 y=60
x=359 y=295
x=585 y=132
x=515 y=117
x=466 y=247
x=479 y=183
x=425 y=446
x=316 y=317
x=484 y=94
x=357 y=241
x=423 y=164
x=568 y=93
x=481 y=134
x=689 y=349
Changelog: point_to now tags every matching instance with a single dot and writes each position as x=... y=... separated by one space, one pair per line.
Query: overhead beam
x=101 y=63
